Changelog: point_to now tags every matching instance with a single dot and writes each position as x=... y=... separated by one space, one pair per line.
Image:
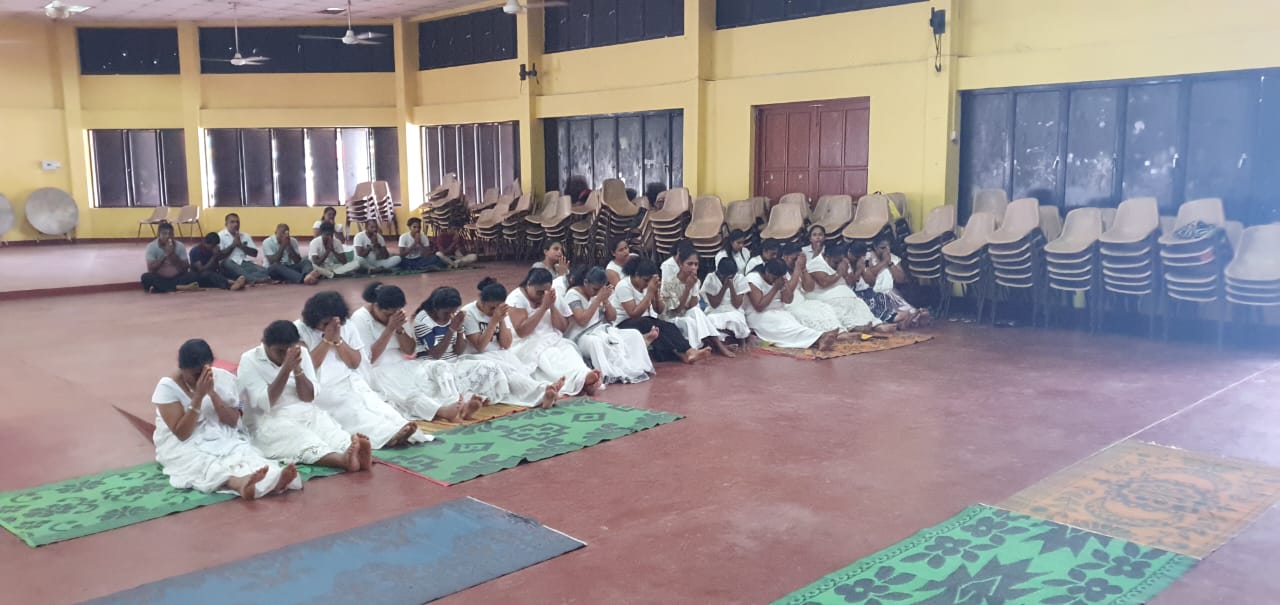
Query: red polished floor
x=782 y=471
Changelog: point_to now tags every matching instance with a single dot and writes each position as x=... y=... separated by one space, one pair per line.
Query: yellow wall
x=715 y=77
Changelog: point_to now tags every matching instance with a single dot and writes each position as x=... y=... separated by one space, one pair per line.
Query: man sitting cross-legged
x=206 y=262
x=278 y=380
x=371 y=250
x=285 y=261
x=168 y=269
x=240 y=253
x=328 y=256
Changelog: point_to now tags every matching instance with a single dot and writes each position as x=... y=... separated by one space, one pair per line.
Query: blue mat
x=411 y=559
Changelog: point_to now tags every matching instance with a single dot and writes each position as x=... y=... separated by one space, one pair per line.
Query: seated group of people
x=228 y=259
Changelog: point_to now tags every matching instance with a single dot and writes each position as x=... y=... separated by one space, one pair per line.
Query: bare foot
x=827 y=342
x=239 y=283
x=885 y=328
x=651 y=336
x=469 y=409
x=249 y=489
x=402 y=436
x=592 y=383
x=353 y=455
x=550 y=394
x=720 y=348
x=364 y=452
x=312 y=278
x=693 y=356
x=924 y=318
x=287 y=475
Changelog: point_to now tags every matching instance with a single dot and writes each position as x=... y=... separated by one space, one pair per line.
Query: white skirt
x=695 y=326
x=522 y=388
x=815 y=315
x=781 y=328
x=732 y=321
x=620 y=354
x=299 y=432
x=554 y=357
x=419 y=388
x=206 y=462
x=851 y=310
x=358 y=409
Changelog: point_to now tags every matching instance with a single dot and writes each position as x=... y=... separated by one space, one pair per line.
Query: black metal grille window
x=139 y=168
x=467 y=39
x=482 y=156
x=290 y=54
x=739 y=13
x=639 y=148
x=592 y=23
x=111 y=51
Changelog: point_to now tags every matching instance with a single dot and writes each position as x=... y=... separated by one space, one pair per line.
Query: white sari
x=620 y=354
x=547 y=349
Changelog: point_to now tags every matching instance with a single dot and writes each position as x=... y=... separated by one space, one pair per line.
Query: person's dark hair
x=790 y=248
x=370 y=293
x=613 y=242
x=683 y=253
x=228 y=217
x=596 y=276
x=771 y=244
x=774 y=267
x=726 y=267
x=212 y=239
x=327 y=228
x=327 y=210
x=816 y=226
x=857 y=249
x=734 y=236
x=575 y=186
x=631 y=194
x=414 y=221
x=546 y=245
x=834 y=251
x=323 y=305
x=280 y=332
x=652 y=190
x=194 y=353
x=164 y=226
x=577 y=276
x=384 y=296
x=443 y=297
x=883 y=239
x=640 y=267
x=491 y=290
x=537 y=277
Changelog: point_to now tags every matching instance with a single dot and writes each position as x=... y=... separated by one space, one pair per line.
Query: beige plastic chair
x=494 y=216
x=1208 y=210
x=1135 y=220
x=592 y=205
x=941 y=220
x=189 y=215
x=1257 y=261
x=991 y=201
x=899 y=200
x=1021 y=216
x=1081 y=230
x=448 y=191
x=1108 y=218
x=561 y=211
x=761 y=204
x=159 y=215
x=488 y=200
x=785 y=221
x=676 y=203
x=740 y=215
x=1050 y=222
x=798 y=199
x=550 y=209
x=615 y=196
x=832 y=212
x=708 y=218
x=976 y=233
x=871 y=217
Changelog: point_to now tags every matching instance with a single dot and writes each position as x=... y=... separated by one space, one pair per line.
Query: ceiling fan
x=513 y=7
x=56 y=10
x=237 y=59
x=351 y=37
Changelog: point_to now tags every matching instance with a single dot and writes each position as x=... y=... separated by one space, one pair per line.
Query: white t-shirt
x=337 y=227
x=333 y=370
x=755 y=261
x=711 y=285
x=670 y=268
x=625 y=292
x=238 y=256
x=428 y=333
x=316 y=249
x=476 y=322
x=406 y=242
x=364 y=241
x=224 y=384
x=616 y=268
x=257 y=372
x=370 y=330
x=740 y=258
x=757 y=280
x=517 y=300
x=576 y=300
x=884 y=281
x=271 y=247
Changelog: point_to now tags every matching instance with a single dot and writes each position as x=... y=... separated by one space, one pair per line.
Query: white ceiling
x=220 y=10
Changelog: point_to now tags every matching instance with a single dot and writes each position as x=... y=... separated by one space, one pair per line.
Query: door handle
x=1175 y=159
x=1244 y=157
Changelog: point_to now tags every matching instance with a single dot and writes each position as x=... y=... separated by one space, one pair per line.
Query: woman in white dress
x=770 y=290
x=198 y=437
x=637 y=301
x=620 y=255
x=875 y=274
x=329 y=215
x=825 y=279
x=813 y=314
x=554 y=260
x=439 y=326
x=735 y=249
x=680 y=302
x=725 y=291
x=278 y=382
x=620 y=354
x=422 y=390
x=539 y=320
x=337 y=352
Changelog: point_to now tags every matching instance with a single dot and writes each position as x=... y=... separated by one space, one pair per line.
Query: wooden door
x=817 y=148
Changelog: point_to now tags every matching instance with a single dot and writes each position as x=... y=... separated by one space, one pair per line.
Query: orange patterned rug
x=852 y=347
x=1177 y=500
x=485 y=414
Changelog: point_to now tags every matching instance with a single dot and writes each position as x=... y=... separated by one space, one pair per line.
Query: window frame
x=165 y=188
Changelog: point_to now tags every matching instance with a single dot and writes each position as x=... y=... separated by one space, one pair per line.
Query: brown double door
x=815 y=147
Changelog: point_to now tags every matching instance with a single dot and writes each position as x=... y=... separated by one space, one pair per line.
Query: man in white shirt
x=328 y=255
x=415 y=250
x=240 y=252
x=284 y=258
x=371 y=250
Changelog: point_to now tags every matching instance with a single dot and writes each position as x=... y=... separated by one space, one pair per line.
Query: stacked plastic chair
x=1130 y=264
x=965 y=262
x=1253 y=277
x=664 y=228
x=901 y=220
x=1016 y=255
x=512 y=225
x=556 y=224
x=360 y=206
x=617 y=217
x=924 y=249
x=535 y=225
x=706 y=227
x=786 y=221
x=382 y=207
x=1071 y=260
x=445 y=209
x=487 y=228
x=991 y=201
x=1050 y=223
x=582 y=225
x=1195 y=252
x=741 y=216
x=871 y=219
x=832 y=213
x=799 y=199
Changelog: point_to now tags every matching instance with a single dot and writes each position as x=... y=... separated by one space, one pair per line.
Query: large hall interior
x=640 y=301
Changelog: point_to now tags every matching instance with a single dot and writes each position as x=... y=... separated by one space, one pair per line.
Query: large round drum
x=52 y=211
x=6 y=215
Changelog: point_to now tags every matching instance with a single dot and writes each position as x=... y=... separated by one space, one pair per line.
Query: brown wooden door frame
x=814 y=109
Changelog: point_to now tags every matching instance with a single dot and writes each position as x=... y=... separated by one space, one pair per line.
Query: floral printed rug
x=987 y=556
x=96 y=503
x=1182 y=501
x=481 y=449
x=852 y=347
x=485 y=414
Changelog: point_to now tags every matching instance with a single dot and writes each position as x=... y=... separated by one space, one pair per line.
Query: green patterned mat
x=96 y=503
x=988 y=556
x=481 y=449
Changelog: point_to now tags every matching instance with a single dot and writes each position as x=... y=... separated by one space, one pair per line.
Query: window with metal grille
x=592 y=23
x=139 y=168
x=467 y=39
x=482 y=156
x=739 y=13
